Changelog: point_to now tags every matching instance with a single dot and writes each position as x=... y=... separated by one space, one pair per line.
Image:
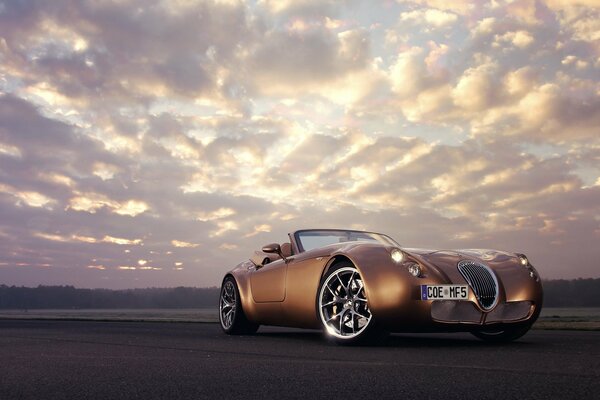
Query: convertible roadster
x=356 y=286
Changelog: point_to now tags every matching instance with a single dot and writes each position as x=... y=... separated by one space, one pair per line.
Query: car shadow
x=300 y=334
x=444 y=340
x=412 y=340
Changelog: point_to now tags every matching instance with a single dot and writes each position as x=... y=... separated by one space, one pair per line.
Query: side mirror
x=272 y=248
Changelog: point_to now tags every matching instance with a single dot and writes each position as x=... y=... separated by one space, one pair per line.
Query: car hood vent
x=483 y=282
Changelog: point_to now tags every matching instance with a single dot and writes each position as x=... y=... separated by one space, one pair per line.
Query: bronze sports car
x=357 y=285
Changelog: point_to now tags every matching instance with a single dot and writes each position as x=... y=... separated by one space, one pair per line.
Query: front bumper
x=466 y=312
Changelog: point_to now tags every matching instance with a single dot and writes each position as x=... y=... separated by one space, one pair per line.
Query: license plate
x=444 y=292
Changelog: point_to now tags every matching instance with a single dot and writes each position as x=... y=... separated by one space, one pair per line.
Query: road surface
x=141 y=360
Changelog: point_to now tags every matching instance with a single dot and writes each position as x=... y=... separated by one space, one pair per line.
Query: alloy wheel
x=227 y=305
x=343 y=305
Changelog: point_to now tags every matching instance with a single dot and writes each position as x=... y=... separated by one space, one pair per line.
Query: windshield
x=308 y=240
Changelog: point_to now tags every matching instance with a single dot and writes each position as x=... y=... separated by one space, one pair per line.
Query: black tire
x=343 y=310
x=231 y=314
x=505 y=335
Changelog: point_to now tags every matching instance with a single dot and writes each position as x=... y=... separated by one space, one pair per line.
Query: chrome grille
x=483 y=282
x=511 y=311
x=455 y=311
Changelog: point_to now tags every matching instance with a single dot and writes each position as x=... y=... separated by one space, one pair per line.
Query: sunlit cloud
x=86 y=239
x=433 y=17
x=57 y=178
x=121 y=241
x=8 y=150
x=92 y=202
x=183 y=244
x=520 y=39
x=263 y=228
x=105 y=171
x=222 y=212
x=29 y=198
x=52 y=237
x=33 y=199
x=223 y=227
x=131 y=208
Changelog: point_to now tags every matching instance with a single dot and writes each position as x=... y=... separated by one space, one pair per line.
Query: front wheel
x=502 y=335
x=231 y=314
x=343 y=307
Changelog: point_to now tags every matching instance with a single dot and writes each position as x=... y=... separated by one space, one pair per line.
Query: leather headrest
x=286 y=249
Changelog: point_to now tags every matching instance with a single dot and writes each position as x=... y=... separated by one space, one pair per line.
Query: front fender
x=389 y=287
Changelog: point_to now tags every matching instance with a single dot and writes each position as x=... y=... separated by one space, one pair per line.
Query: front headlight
x=397 y=255
x=532 y=274
x=523 y=259
x=414 y=269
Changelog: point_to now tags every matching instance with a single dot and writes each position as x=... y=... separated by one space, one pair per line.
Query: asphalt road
x=137 y=360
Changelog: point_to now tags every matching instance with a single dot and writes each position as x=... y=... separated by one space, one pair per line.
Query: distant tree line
x=66 y=297
x=557 y=293
x=572 y=293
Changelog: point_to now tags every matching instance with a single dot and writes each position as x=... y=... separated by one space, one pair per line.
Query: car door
x=268 y=282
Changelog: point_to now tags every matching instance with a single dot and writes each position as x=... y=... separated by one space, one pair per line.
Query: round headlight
x=397 y=255
x=524 y=260
x=414 y=269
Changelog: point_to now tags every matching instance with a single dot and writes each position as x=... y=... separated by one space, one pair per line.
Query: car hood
x=443 y=263
x=483 y=255
x=440 y=260
x=435 y=256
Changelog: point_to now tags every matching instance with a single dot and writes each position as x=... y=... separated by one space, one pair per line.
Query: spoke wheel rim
x=227 y=305
x=343 y=305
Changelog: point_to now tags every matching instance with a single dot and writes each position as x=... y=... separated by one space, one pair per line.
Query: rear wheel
x=343 y=307
x=231 y=314
x=502 y=335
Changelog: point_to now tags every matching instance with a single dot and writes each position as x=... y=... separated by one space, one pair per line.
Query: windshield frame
x=377 y=237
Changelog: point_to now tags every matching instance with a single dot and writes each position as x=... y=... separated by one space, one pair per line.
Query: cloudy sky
x=148 y=143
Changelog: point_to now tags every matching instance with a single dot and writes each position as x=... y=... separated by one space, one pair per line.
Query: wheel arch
x=242 y=281
x=240 y=324
x=335 y=260
x=228 y=275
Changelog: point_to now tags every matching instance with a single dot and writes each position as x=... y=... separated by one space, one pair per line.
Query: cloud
x=29 y=198
x=222 y=212
x=461 y=7
x=521 y=39
x=179 y=243
x=475 y=89
x=580 y=18
x=495 y=90
x=78 y=49
x=133 y=133
x=431 y=17
x=92 y=202
x=87 y=239
x=263 y=228
x=304 y=8
x=291 y=61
